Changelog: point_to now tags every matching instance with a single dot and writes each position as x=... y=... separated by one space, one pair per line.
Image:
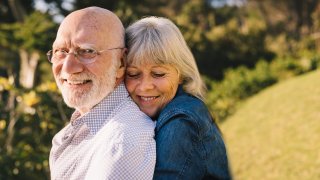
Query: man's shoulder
x=128 y=115
x=130 y=126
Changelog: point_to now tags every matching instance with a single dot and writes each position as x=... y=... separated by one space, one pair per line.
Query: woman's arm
x=178 y=150
x=189 y=148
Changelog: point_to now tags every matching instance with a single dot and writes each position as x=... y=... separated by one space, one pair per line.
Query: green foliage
x=237 y=85
x=241 y=83
x=32 y=34
x=39 y=114
x=235 y=43
x=6 y=12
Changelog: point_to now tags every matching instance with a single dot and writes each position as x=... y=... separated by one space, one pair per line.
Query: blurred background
x=258 y=58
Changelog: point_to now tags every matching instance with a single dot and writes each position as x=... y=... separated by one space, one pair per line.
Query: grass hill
x=276 y=133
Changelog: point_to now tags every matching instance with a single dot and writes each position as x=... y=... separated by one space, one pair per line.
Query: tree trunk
x=13 y=117
x=28 y=63
x=17 y=10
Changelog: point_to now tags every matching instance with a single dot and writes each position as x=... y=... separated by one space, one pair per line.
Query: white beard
x=86 y=99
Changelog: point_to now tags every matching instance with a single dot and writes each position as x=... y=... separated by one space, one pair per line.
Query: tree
x=297 y=15
x=24 y=37
x=16 y=14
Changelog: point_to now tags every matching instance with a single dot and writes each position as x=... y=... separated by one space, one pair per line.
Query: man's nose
x=72 y=65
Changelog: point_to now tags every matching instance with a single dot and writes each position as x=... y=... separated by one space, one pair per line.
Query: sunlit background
x=258 y=58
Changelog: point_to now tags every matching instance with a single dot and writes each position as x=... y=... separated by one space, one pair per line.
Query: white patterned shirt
x=114 y=140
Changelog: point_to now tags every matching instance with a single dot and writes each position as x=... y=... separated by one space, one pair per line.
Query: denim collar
x=180 y=91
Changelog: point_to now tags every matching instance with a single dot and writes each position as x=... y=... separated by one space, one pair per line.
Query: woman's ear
x=180 y=76
x=180 y=80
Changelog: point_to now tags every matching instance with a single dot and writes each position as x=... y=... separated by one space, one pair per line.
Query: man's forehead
x=93 y=16
x=82 y=21
x=97 y=23
x=82 y=30
x=100 y=27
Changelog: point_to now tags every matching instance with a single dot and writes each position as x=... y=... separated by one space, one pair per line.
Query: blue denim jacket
x=189 y=144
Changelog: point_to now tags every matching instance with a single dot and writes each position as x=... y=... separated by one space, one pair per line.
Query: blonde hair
x=158 y=40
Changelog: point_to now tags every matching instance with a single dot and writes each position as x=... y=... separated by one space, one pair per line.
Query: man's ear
x=121 y=70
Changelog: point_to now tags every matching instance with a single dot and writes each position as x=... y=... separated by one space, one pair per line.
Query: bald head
x=91 y=34
x=94 y=21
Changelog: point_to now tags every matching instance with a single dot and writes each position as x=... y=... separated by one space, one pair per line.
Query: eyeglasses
x=85 y=56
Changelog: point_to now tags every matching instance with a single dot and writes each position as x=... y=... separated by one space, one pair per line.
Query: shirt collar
x=98 y=115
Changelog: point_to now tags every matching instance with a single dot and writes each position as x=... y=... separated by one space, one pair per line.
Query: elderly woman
x=163 y=79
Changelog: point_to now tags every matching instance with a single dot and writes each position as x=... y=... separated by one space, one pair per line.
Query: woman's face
x=152 y=86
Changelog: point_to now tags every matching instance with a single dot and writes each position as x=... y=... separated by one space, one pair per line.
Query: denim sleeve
x=187 y=150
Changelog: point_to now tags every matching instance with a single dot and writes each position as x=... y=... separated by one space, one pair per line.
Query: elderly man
x=108 y=137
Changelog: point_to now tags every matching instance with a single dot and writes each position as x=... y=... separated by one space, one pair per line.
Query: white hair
x=158 y=40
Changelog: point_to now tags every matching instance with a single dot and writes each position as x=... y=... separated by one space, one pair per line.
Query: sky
x=44 y=7
x=221 y=3
x=67 y=4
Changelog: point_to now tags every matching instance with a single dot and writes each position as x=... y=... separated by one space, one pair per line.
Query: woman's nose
x=146 y=84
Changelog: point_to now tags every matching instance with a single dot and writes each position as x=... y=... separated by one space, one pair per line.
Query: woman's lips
x=147 y=98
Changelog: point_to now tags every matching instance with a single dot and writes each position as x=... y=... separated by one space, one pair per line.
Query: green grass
x=276 y=133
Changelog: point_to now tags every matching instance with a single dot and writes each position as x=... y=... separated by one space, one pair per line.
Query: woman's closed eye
x=157 y=75
x=132 y=75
